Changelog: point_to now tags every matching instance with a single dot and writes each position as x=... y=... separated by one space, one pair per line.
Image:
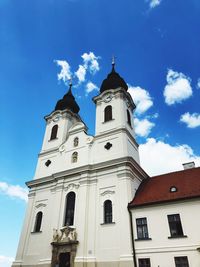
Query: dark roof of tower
x=113 y=81
x=68 y=102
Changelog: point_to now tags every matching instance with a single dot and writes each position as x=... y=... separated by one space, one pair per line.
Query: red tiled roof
x=157 y=189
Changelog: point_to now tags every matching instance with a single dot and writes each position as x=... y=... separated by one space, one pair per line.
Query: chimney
x=188 y=165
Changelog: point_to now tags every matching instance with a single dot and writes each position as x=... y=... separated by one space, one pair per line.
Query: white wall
x=162 y=250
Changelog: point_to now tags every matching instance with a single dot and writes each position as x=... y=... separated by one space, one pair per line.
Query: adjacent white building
x=77 y=213
x=165 y=219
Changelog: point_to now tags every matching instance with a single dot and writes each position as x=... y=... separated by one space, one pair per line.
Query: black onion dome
x=113 y=81
x=68 y=102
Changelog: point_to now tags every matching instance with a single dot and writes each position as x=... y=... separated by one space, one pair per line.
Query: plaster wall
x=161 y=249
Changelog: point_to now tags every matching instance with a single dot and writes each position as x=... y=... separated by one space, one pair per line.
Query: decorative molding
x=65 y=234
x=89 y=170
x=62 y=148
x=71 y=186
x=107 y=192
x=40 y=205
x=31 y=194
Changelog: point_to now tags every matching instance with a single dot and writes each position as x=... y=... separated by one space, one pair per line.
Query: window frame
x=107 y=211
x=181 y=264
x=143 y=264
x=108 y=114
x=38 y=222
x=69 y=209
x=128 y=118
x=142 y=229
x=74 y=158
x=175 y=225
x=76 y=141
x=54 y=132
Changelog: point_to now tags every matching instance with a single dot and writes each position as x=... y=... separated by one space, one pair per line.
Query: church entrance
x=64 y=259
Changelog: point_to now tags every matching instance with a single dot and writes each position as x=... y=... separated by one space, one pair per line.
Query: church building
x=92 y=205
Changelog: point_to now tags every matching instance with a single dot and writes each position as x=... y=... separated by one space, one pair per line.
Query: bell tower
x=114 y=113
x=60 y=120
x=58 y=125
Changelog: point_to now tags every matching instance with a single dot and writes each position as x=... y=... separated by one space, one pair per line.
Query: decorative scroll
x=65 y=234
x=107 y=192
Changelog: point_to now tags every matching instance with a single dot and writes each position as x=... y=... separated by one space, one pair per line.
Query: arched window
x=38 y=222
x=108 y=113
x=108 y=211
x=69 y=212
x=74 y=157
x=54 y=131
x=128 y=117
x=76 y=141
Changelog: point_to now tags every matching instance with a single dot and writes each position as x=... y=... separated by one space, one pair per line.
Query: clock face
x=108 y=98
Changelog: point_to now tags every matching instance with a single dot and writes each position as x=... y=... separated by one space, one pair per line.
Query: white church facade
x=86 y=206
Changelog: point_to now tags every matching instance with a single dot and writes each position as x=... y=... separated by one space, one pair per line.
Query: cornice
x=90 y=169
x=118 y=91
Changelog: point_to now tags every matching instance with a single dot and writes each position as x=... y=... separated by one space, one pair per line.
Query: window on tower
x=70 y=205
x=108 y=113
x=38 y=222
x=74 y=157
x=54 y=131
x=76 y=141
x=108 y=211
x=128 y=117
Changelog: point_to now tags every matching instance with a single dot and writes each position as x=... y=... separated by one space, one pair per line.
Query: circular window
x=173 y=189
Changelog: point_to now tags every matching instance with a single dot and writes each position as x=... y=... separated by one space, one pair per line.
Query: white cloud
x=91 y=62
x=158 y=157
x=5 y=261
x=90 y=87
x=80 y=73
x=178 y=87
x=141 y=98
x=65 y=73
x=198 y=83
x=143 y=127
x=154 y=3
x=15 y=191
x=191 y=120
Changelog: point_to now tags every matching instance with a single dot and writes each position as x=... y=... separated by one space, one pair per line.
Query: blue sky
x=42 y=43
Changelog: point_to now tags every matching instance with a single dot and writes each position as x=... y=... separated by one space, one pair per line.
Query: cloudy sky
x=44 y=43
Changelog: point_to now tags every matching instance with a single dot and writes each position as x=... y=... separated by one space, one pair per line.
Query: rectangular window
x=144 y=262
x=181 y=261
x=142 y=230
x=175 y=225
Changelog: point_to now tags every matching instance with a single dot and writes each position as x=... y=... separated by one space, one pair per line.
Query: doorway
x=64 y=259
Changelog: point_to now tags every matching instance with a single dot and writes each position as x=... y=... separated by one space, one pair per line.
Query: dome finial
x=70 y=82
x=113 y=63
x=70 y=85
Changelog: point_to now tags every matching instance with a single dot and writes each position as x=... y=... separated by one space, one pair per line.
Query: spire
x=113 y=63
x=70 y=87
x=113 y=80
x=68 y=101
